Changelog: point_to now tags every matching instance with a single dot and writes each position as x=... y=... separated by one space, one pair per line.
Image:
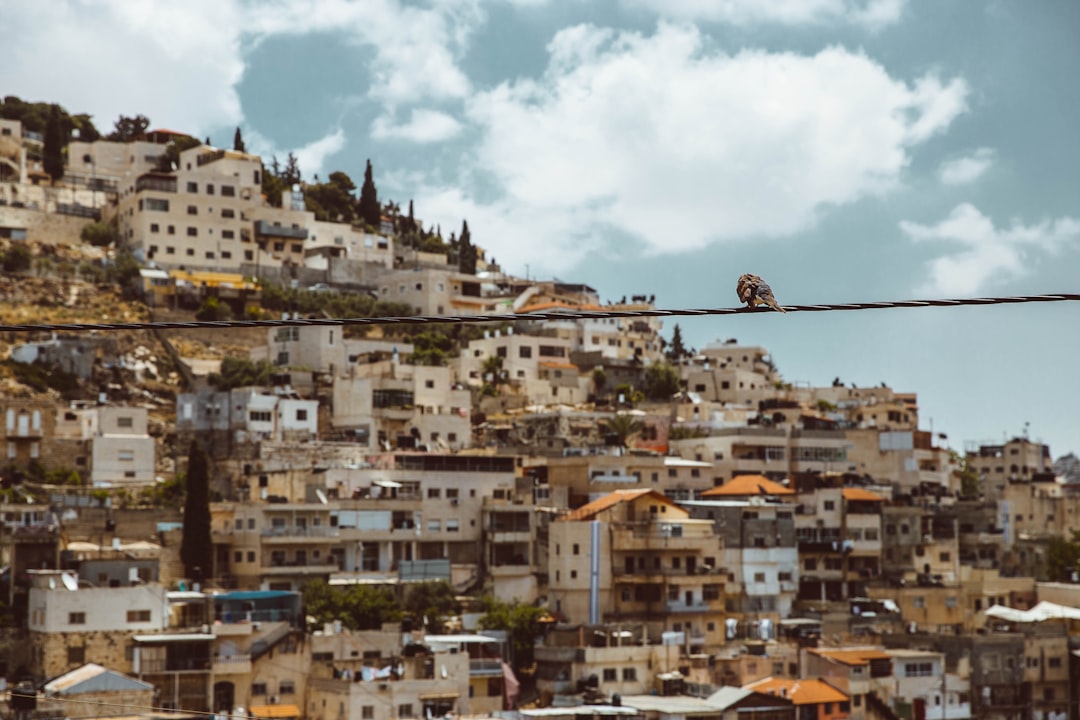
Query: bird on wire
x=754 y=291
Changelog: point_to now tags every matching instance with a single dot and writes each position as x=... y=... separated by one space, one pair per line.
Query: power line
x=515 y=317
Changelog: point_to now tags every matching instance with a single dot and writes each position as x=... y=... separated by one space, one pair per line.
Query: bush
x=213 y=309
x=17 y=259
x=99 y=234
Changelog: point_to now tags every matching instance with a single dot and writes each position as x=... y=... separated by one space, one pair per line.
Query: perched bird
x=754 y=291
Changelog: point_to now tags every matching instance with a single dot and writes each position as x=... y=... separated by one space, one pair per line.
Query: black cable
x=514 y=317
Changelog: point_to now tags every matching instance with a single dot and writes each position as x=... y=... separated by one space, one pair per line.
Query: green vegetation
x=686 y=432
x=624 y=428
x=35 y=116
x=99 y=234
x=430 y=603
x=42 y=377
x=661 y=381
x=213 y=309
x=332 y=201
x=238 y=141
x=358 y=607
x=127 y=129
x=54 y=144
x=170 y=159
x=241 y=372
x=431 y=348
x=677 y=349
x=196 y=546
x=339 y=305
x=17 y=259
x=521 y=623
x=1063 y=558
x=370 y=211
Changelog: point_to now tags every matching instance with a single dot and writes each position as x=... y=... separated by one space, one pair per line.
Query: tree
x=431 y=348
x=661 y=381
x=521 y=623
x=359 y=607
x=53 y=159
x=170 y=159
x=272 y=185
x=370 y=211
x=242 y=372
x=1063 y=558
x=99 y=234
x=624 y=427
x=678 y=349
x=599 y=379
x=970 y=487
x=332 y=200
x=196 y=546
x=17 y=259
x=430 y=603
x=466 y=251
x=238 y=141
x=213 y=309
x=127 y=129
x=291 y=174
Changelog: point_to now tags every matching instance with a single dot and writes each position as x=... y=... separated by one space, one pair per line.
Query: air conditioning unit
x=454 y=501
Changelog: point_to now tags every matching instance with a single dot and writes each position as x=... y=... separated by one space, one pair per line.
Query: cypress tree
x=466 y=251
x=53 y=152
x=238 y=141
x=196 y=547
x=369 y=199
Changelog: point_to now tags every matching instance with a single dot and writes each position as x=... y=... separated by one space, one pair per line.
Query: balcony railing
x=301 y=532
x=485 y=666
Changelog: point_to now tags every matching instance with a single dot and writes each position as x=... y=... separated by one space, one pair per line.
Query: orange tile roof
x=800 y=692
x=861 y=656
x=860 y=494
x=589 y=511
x=748 y=485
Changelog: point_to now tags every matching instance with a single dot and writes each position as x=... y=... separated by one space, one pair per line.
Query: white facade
x=58 y=605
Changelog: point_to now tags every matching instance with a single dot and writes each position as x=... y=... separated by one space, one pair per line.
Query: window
x=629 y=674
x=810 y=564
x=525 y=351
x=577 y=549
x=301 y=415
x=77 y=618
x=829 y=505
x=404 y=710
x=610 y=674
x=193 y=187
x=154 y=227
x=759 y=577
x=434 y=525
x=251 y=556
x=209 y=188
x=453 y=525
x=918 y=602
x=238 y=556
x=76 y=655
x=125 y=422
x=1054 y=662
x=134 y=616
x=918 y=669
x=228 y=234
x=157 y=204
x=193 y=232
x=434 y=493
x=228 y=191
x=286 y=687
x=258 y=688
x=943 y=557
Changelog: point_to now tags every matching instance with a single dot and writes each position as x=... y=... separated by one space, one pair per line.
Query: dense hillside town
x=536 y=518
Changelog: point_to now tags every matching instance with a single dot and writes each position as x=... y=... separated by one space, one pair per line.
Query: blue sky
x=843 y=149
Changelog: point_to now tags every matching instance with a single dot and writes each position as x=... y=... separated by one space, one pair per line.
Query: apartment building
x=29 y=427
x=1016 y=460
x=760 y=555
x=13 y=167
x=636 y=556
x=839 y=532
x=530 y=364
x=383 y=402
x=861 y=673
x=322 y=349
x=574 y=480
x=922 y=685
x=196 y=217
x=109 y=445
x=245 y=415
x=418 y=507
x=290 y=235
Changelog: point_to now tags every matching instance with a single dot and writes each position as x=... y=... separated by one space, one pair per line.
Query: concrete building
x=636 y=556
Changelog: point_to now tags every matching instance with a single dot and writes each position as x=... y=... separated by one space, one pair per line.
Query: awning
x=440 y=696
x=174 y=637
x=274 y=711
x=387 y=483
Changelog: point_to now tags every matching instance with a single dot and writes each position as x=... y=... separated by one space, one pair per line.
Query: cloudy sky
x=845 y=150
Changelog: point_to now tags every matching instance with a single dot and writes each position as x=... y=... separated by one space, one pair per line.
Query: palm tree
x=624 y=427
x=493 y=374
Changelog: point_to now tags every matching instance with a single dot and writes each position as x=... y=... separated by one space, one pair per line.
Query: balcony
x=662 y=535
x=266 y=229
x=480 y=667
x=272 y=534
x=678 y=607
x=295 y=568
x=232 y=665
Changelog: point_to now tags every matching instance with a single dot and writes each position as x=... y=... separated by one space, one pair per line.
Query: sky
x=845 y=150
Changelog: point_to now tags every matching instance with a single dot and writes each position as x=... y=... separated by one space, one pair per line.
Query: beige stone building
x=636 y=556
x=197 y=217
x=1016 y=460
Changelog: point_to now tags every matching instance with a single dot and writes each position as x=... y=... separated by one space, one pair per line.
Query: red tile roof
x=863 y=495
x=856 y=656
x=589 y=511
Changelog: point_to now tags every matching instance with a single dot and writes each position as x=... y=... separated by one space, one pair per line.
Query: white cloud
x=967 y=169
x=180 y=63
x=312 y=157
x=424 y=126
x=661 y=141
x=988 y=253
x=872 y=14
